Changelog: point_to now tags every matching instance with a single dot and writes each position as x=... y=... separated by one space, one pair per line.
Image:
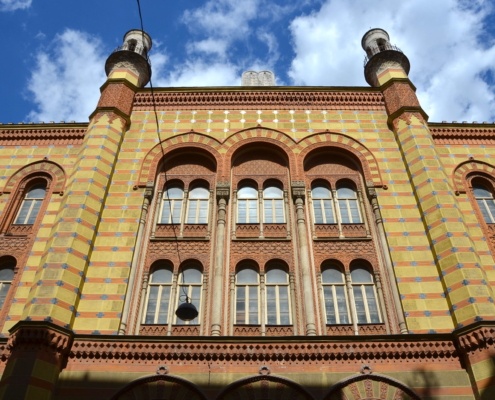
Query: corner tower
x=448 y=235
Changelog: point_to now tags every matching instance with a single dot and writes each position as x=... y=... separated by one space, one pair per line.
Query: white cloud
x=441 y=39
x=12 y=5
x=65 y=81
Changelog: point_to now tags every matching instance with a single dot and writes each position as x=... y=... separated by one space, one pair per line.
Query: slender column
x=183 y=213
x=362 y=210
x=261 y=212
x=148 y=195
x=144 y=288
x=174 y=299
x=388 y=261
x=350 y=294
x=232 y=309
x=337 y=213
x=298 y=192
x=158 y=208
x=292 y=288
x=263 y=304
x=234 y=213
x=287 y=214
x=322 y=303
x=381 y=301
x=223 y=191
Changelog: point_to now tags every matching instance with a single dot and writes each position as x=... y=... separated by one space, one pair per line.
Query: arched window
x=190 y=285
x=348 y=204
x=335 y=295
x=7 y=265
x=323 y=210
x=158 y=296
x=247 y=205
x=31 y=204
x=278 y=310
x=197 y=206
x=486 y=202
x=365 y=299
x=273 y=205
x=172 y=200
x=247 y=288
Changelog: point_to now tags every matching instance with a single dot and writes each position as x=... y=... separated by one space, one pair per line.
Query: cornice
x=42 y=132
x=243 y=349
x=253 y=98
x=463 y=133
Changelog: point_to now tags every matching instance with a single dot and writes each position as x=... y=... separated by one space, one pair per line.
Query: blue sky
x=55 y=50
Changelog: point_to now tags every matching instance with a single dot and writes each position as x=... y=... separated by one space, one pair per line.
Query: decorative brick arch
x=467 y=167
x=359 y=385
x=188 y=140
x=258 y=135
x=56 y=172
x=259 y=387
x=168 y=386
x=323 y=140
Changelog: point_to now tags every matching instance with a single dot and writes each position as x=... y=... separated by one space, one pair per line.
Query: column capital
x=298 y=189
x=223 y=191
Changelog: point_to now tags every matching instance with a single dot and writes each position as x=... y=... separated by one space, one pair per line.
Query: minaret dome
x=133 y=55
x=380 y=55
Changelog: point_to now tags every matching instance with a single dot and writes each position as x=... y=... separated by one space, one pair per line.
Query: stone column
x=298 y=193
x=136 y=259
x=223 y=191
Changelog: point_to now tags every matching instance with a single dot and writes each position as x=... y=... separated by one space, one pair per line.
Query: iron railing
x=378 y=49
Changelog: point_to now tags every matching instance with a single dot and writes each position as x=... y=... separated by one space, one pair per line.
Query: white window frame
x=347 y=205
x=277 y=288
x=483 y=202
x=172 y=204
x=160 y=286
x=361 y=286
x=250 y=203
x=198 y=202
x=332 y=286
x=272 y=202
x=321 y=201
x=29 y=204
x=246 y=288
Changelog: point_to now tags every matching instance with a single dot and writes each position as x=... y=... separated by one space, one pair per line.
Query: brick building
x=335 y=243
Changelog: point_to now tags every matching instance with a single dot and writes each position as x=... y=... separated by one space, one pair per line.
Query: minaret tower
x=459 y=267
x=44 y=332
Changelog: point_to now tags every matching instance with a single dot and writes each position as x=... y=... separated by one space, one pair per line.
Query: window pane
x=35 y=209
x=344 y=212
x=241 y=211
x=253 y=305
x=191 y=212
x=271 y=307
x=203 y=212
x=247 y=275
x=346 y=193
x=164 y=305
x=359 y=303
x=253 y=212
x=268 y=206
x=279 y=211
x=353 y=205
x=320 y=192
x=240 y=306
x=174 y=193
x=151 y=308
x=37 y=192
x=480 y=191
x=276 y=276
x=247 y=193
x=332 y=275
x=342 y=305
x=191 y=275
x=318 y=212
x=372 y=304
x=361 y=275
x=199 y=193
x=273 y=192
x=329 y=305
x=161 y=275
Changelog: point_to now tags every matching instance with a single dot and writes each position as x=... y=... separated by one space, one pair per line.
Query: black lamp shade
x=186 y=311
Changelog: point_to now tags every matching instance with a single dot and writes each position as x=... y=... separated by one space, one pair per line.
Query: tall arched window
x=190 y=285
x=247 y=309
x=158 y=296
x=172 y=199
x=31 y=204
x=323 y=209
x=483 y=194
x=278 y=309
x=348 y=204
x=197 y=205
x=7 y=265
x=335 y=296
x=365 y=299
x=273 y=205
x=247 y=205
